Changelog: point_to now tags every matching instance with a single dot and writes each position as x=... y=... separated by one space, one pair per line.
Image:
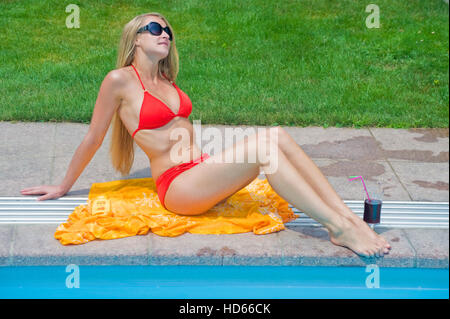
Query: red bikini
x=154 y=113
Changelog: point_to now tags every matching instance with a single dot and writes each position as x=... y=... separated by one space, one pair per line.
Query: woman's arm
x=108 y=101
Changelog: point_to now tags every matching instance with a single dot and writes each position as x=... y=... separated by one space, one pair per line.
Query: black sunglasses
x=156 y=29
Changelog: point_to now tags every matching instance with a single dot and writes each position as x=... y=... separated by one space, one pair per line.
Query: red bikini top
x=154 y=113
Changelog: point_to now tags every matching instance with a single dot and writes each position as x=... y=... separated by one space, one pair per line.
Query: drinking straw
x=362 y=180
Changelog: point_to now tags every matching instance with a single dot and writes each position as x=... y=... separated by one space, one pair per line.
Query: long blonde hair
x=122 y=143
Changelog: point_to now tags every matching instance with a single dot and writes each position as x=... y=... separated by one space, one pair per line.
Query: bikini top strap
x=143 y=87
x=167 y=78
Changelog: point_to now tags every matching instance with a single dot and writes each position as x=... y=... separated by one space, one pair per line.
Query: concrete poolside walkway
x=412 y=165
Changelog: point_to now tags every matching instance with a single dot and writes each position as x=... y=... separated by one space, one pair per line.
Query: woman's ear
x=136 y=42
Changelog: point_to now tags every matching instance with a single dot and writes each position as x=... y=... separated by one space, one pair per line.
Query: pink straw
x=362 y=180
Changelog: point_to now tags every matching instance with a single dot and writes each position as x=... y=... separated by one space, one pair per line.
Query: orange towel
x=131 y=207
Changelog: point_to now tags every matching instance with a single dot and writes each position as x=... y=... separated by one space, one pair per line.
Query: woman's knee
x=277 y=134
x=268 y=145
x=271 y=135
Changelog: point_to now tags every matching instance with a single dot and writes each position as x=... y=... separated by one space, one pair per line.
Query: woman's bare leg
x=291 y=185
x=197 y=190
x=312 y=174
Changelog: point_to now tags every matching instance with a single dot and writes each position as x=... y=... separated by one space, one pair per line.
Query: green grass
x=258 y=62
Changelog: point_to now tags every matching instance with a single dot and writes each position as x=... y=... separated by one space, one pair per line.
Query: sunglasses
x=156 y=29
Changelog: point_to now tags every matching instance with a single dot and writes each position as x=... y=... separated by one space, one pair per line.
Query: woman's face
x=154 y=45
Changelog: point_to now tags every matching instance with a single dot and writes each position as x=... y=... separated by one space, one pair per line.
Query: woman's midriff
x=162 y=163
x=157 y=145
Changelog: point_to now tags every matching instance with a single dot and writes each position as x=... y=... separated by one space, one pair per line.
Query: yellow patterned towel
x=131 y=207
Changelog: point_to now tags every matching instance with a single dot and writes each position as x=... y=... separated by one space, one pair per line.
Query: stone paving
x=411 y=164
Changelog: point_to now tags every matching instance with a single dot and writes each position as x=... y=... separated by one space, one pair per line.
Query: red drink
x=372 y=211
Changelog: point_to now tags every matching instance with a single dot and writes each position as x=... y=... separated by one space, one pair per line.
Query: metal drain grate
x=394 y=214
x=27 y=210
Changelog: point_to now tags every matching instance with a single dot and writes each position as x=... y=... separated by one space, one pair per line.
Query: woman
x=142 y=100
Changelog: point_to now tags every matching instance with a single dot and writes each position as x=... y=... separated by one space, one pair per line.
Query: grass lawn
x=290 y=63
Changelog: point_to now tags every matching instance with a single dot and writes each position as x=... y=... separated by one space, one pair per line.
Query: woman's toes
x=365 y=254
x=377 y=251
x=383 y=247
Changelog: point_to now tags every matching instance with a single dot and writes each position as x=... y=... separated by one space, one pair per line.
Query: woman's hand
x=49 y=191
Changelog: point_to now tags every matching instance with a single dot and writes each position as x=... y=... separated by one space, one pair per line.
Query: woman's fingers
x=47 y=196
x=30 y=188
x=48 y=191
x=37 y=190
x=34 y=191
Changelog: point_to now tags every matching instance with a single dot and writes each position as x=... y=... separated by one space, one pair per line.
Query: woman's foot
x=361 y=223
x=359 y=237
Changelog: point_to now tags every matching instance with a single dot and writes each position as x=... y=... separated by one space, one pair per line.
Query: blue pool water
x=212 y=282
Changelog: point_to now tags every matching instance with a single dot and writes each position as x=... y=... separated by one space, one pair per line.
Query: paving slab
x=336 y=143
x=411 y=164
x=68 y=136
x=6 y=233
x=36 y=162
x=315 y=135
x=34 y=244
x=187 y=249
x=431 y=246
x=98 y=170
x=337 y=172
x=27 y=139
x=224 y=249
x=51 y=170
x=310 y=246
x=249 y=249
x=416 y=145
x=22 y=171
x=402 y=253
x=424 y=181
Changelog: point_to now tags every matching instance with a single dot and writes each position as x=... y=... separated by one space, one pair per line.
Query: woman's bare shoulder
x=119 y=76
x=117 y=81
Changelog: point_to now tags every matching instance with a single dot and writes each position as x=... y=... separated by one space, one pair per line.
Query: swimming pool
x=216 y=282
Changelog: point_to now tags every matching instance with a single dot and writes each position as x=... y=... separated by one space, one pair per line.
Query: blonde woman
x=145 y=105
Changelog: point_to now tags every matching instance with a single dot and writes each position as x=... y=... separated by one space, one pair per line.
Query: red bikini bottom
x=163 y=181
